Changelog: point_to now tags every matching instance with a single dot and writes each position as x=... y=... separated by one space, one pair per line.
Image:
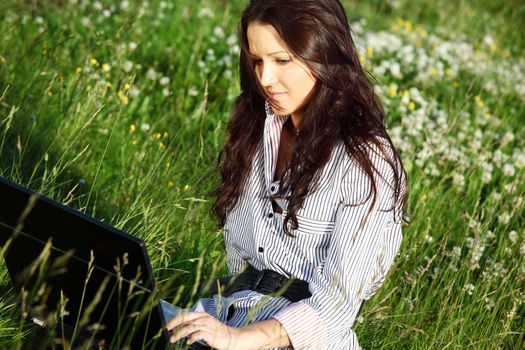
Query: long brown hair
x=342 y=106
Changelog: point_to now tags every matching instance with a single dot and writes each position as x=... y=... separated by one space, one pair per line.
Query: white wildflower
x=519 y=159
x=488 y=40
x=517 y=202
x=455 y=253
x=513 y=236
x=205 y=12
x=508 y=170
x=85 y=21
x=468 y=288
x=504 y=218
x=127 y=66
x=134 y=91
x=151 y=74
x=458 y=180
x=489 y=303
x=192 y=91
x=164 y=81
x=218 y=32
x=510 y=188
x=145 y=127
x=231 y=40
x=478 y=248
x=508 y=137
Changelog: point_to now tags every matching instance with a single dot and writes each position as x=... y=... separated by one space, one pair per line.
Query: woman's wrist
x=264 y=335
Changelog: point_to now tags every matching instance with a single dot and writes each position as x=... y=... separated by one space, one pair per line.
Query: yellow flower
x=132 y=128
x=411 y=106
x=123 y=98
x=165 y=135
x=108 y=84
x=88 y=88
x=94 y=62
x=162 y=145
x=126 y=87
x=170 y=184
x=168 y=164
x=106 y=67
x=134 y=142
x=433 y=71
x=423 y=197
x=408 y=26
x=422 y=32
x=505 y=53
x=187 y=187
x=392 y=90
x=158 y=135
x=49 y=93
x=370 y=51
x=479 y=101
x=78 y=70
x=455 y=83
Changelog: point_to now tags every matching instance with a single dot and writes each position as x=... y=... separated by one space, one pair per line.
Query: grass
x=120 y=112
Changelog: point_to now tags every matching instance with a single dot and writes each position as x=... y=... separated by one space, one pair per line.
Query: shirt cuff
x=303 y=326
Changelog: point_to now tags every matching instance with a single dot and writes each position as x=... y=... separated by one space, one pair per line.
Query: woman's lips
x=276 y=95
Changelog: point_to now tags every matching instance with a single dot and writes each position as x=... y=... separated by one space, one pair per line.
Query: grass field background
x=118 y=109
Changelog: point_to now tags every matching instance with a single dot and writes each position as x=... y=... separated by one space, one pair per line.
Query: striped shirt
x=342 y=256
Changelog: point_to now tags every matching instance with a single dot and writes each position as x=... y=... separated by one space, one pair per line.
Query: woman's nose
x=268 y=77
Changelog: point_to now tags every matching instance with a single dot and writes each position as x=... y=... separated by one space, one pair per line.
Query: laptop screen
x=70 y=269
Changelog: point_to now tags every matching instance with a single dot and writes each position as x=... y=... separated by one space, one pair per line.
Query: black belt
x=266 y=282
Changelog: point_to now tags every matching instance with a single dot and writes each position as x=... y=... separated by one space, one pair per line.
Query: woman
x=312 y=188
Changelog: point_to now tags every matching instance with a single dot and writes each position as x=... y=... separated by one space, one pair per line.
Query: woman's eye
x=283 y=62
x=257 y=62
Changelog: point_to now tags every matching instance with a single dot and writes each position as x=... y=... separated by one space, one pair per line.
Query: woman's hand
x=202 y=326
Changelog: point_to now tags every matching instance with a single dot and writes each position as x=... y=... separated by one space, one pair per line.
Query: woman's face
x=285 y=80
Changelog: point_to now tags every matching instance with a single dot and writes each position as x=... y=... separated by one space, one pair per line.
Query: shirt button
x=270 y=215
x=261 y=249
x=272 y=189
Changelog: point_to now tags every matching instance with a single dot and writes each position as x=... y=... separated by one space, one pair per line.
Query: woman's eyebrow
x=270 y=54
x=275 y=53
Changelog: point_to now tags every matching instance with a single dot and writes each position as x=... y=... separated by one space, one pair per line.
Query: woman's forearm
x=264 y=335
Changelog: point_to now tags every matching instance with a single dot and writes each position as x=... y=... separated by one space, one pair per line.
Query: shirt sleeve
x=362 y=249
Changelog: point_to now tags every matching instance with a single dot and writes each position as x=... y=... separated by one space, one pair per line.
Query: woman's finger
x=190 y=327
x=184 y=318
x=184 y=332
x=196 y=336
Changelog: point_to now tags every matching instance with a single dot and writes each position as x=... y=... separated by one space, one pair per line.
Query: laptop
x=81 y=278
